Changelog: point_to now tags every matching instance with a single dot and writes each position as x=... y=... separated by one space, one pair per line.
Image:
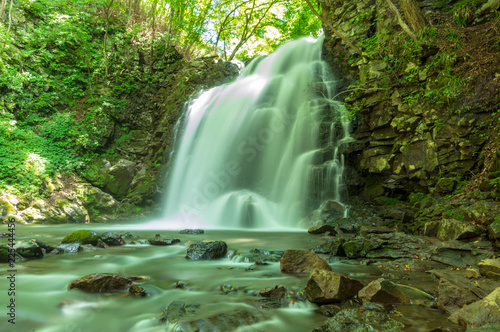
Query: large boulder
x=325 y=286
x=452 y=297
x=490 y=268
x=82 y=236
x=97 y=201
x=112 y=239
x=494 y=232
x=29 y=249
x=383 y=291
x=101 y=283
x=207 y=250
x=485 y=311
x=122 y=174
x=302 y=261
x=452 y=229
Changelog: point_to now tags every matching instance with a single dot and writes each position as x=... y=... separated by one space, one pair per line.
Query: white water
x=245 y=156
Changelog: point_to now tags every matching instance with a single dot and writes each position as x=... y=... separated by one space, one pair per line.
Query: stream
x=44 y=303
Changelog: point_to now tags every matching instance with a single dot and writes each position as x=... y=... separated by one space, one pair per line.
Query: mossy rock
x=82 y=236
x=4 y=254
x=6 y=208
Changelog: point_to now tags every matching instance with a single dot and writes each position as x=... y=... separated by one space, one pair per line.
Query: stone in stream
x=452 y=297
x=163 y=242
x=368 y=317
x=278 y=291
x=302 y=261
x=82 y=236
x=207 y=250
x=330 y=287
x=322 y=228
x=192 y=231
x=485 y=311
x=490 y=268
x=383 y=291
x=4 y=254
x=112 y=239
x=136 y=290
x=29 y=249
x=102 y=283
x=332 y=246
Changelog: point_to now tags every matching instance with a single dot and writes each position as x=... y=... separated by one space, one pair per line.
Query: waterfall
x=245 y=157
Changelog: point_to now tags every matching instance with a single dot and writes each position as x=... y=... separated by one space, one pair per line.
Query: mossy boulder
x=82 y=236
x=4 y=254
x=97 y=201
x=122 y=174
x=101 y=283
x=29 y=249
x=6 y=207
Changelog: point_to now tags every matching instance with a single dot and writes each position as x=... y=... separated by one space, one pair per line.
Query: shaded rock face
x=325 y=287
x=29 y=249
x=405 y=146
x=207 y=250
x=452 y=229
x=302 y=261
x=452 y=297
x=101 y=283
x=365 y=318
x=490 y=268
x=485 y=311
x=383 y=291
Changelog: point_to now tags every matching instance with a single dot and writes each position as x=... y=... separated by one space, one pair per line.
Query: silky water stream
x=242 y=170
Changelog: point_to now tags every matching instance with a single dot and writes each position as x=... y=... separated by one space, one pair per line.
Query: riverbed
x=213 y=287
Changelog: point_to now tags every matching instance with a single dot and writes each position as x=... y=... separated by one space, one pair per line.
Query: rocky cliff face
x=129 y=175
x=426 y=110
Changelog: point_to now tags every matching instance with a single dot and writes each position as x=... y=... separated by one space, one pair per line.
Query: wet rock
x=278 y=291
x=459 y=254
x=359 y=247
x=383 y=291
x=322 y=228
x=207 y=250
x=480 y=287
x=485 y=328
x=485 y=311
x=367 y=319
x=333 y=246
x=192 y=231
x=490 y=268
x=329 y=210
x=69 y=248
x=261 y=256
x=329 y=287
x=163 y=242
x=453 y=297
x=329 y=310
x=174 y=312
x=472 y=273
x=494 y=232
x=452 y=229
x=112 y=239
x=81 y=236
x=138 y=291
x=101 y=244
x=229 y=320
x=29 y=249
x=4 y=254
x=101 y=283
x=302 y=261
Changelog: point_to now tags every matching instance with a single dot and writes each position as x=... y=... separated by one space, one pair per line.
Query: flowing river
x=225 y=286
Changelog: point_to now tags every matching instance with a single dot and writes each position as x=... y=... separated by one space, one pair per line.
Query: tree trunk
x=2 y=9
x=10 y=14
x=413 y=15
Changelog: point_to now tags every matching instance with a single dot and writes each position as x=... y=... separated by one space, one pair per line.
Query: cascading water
x=247 y=149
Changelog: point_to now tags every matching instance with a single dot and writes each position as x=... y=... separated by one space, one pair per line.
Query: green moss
x=81 y=236
x=387 y=201
x=4 y=254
